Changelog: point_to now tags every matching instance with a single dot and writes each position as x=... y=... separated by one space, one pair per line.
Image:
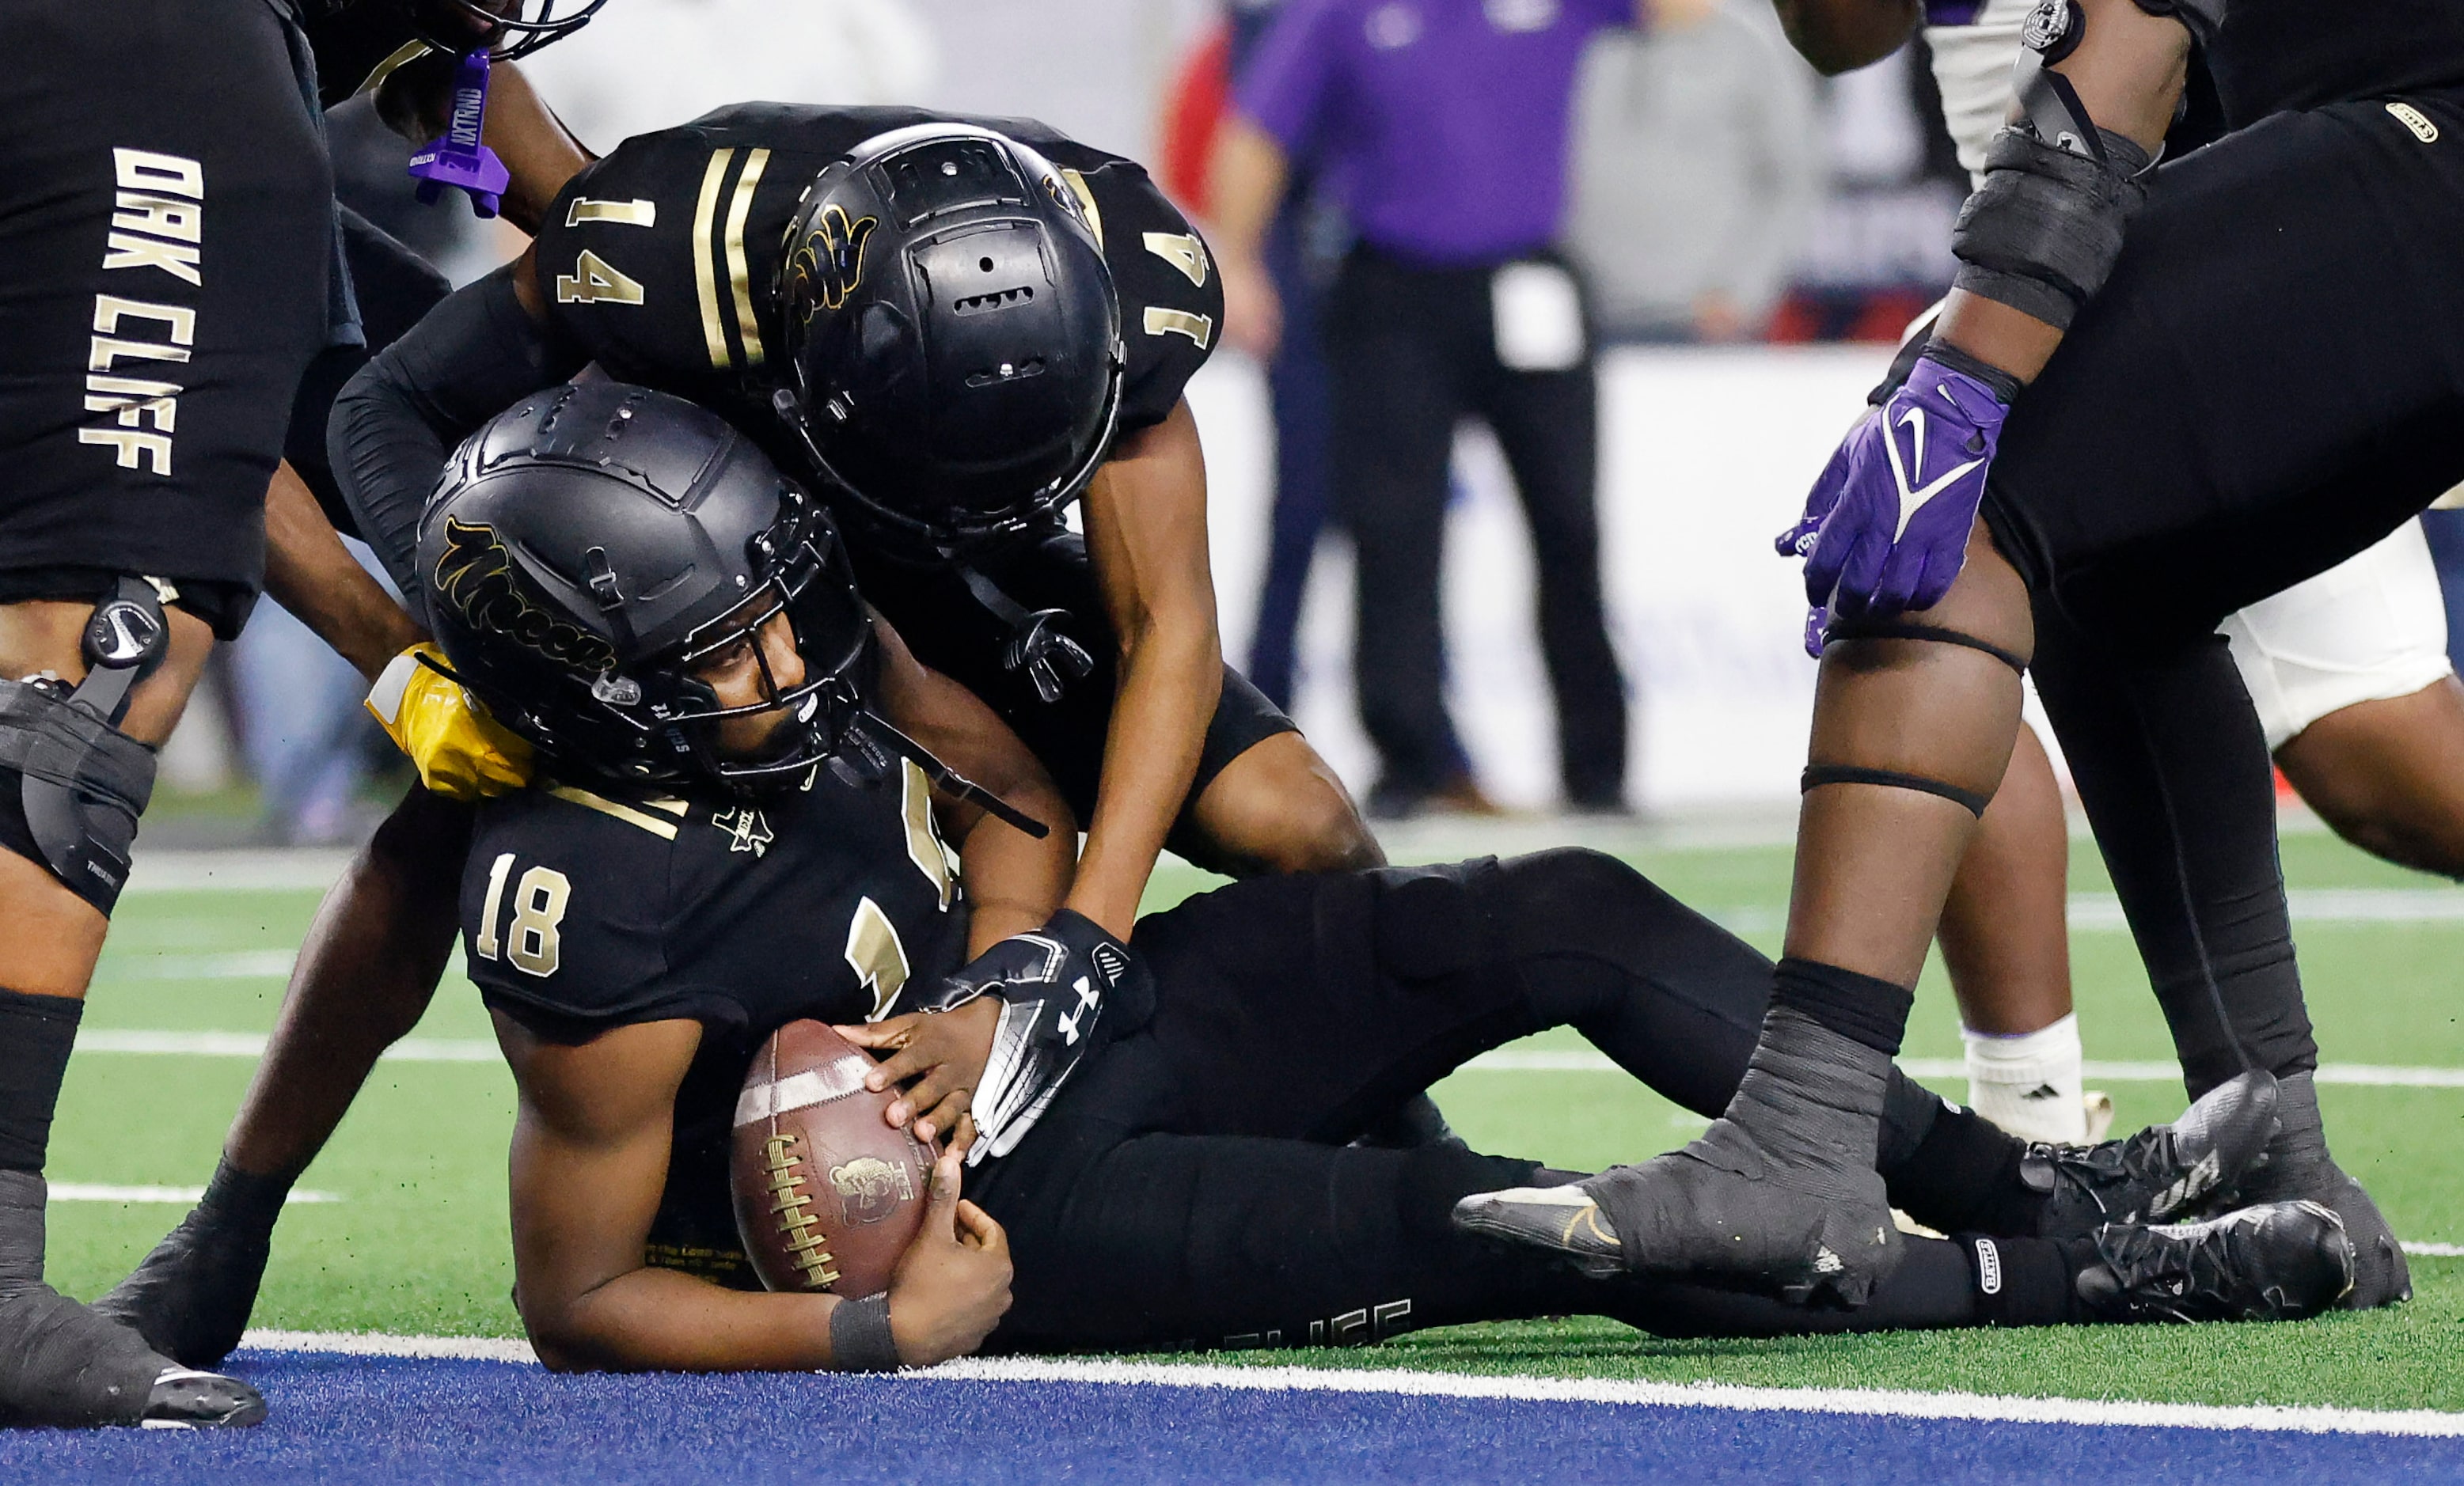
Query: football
x=827 y=1194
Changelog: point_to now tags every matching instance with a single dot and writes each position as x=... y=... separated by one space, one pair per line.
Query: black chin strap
x=1037 y=642
x=876 y=728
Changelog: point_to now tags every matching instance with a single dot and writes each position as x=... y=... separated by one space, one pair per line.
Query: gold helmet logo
x=475 y=575
x=829 y=265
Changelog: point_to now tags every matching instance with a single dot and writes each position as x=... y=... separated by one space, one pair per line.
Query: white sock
x=2030 y=1084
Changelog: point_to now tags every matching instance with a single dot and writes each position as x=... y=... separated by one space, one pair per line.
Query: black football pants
x=1409 y=352
x=1193 y=1188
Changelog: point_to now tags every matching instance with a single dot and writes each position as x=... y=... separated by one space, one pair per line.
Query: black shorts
x=165 y=216
x=950 y=631
x=2271 y=380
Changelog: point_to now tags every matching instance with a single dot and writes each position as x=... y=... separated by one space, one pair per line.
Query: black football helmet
x=953 y=334
x=508 y=27
x=591 y=543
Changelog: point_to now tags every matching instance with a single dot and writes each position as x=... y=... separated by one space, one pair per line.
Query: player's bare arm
x=1842 y=36
x=1014 y=882
x=308 y=572
x=1146 y=530
x=1014 y=879
x=589 y=1159
x=2127 y=72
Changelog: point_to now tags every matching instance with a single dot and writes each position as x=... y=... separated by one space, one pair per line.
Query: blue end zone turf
x=345 y=1418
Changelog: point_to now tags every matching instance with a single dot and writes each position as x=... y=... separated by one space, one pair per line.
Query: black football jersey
x=660 y=262
x=583 y=911
x=2274 y=54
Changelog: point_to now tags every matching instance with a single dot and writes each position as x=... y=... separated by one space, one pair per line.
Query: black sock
x=1860 y=1008
x=36 y=1033
x=243 y=1199
x=2025 y=1281
x=1964 y=1175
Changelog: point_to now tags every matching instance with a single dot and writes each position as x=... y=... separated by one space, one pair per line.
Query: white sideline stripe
x=1583 y=1059
x=378 y=1343
x=1889 y=1404
x=90 y=1191
x=2436 y=1250
x=252 y=1044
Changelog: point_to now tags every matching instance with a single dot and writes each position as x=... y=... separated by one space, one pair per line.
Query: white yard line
x=183 y=1197
x=2436 y=1250
x=1889 y=1404
x=1584 y=1060
x=252 y=1044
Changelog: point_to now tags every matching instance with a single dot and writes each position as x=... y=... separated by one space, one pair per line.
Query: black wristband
x=860 y=1336
x=2000 y=383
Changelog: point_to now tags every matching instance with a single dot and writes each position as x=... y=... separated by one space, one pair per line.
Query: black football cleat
x=2162 y=1174
x=190 y=1297
x=2281 y=1262
x=1564 y=1219
x=183 y=1398
x=2298 y=1168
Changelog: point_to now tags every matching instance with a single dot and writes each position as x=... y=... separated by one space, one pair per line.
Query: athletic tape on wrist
x=860 y=1336
x=2042 y=232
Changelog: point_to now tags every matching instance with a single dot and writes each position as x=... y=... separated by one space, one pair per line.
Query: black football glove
x=1053 y=984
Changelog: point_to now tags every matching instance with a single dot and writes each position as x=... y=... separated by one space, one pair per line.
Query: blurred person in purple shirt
x=1441 y=128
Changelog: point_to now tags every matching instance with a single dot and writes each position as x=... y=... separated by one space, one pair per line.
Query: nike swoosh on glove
x=461 y=752
x=1055 y=985
x=1902 y=492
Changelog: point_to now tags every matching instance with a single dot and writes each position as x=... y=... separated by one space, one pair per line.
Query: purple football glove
x=1900 y=494
x=1798 y=540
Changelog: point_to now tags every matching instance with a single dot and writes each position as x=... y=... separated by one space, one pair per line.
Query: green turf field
x=417 y=1240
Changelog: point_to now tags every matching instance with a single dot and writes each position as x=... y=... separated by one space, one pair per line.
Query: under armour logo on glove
x=1051 y=658
x=1893 y=509
x=1053 y=986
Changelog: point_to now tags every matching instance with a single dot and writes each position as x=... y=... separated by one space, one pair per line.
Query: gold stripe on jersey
x=665 y=830
x=1087 y=198
x=636 y=213
x=667 y=802
x=705 y=278
x=736 y=276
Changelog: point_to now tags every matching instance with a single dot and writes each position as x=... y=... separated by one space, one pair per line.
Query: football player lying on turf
x=960 y=494
x=732 y=842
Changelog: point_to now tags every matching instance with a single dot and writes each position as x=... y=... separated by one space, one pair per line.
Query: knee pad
x=1816 y=775
x=72 y=784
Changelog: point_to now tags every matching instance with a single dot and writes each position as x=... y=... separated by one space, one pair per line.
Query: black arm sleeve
x=395 y=422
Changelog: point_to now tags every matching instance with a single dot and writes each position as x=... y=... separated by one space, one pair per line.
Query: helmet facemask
x=683 y=719
x=507 y=28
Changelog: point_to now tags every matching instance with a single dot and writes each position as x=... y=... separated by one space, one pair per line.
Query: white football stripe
x=183 y=1196
x=1875 y=1401
x=835 y=1080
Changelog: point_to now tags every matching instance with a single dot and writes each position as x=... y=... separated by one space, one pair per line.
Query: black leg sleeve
x=2173 y=770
